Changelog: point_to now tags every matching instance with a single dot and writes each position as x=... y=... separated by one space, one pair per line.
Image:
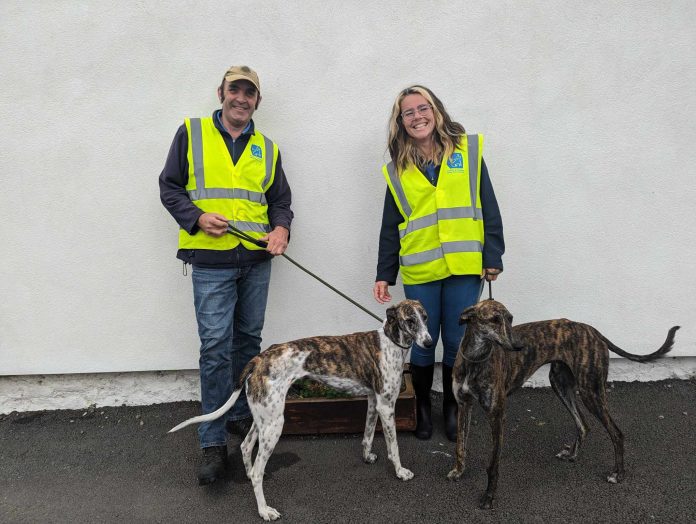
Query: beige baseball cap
x=243 y=73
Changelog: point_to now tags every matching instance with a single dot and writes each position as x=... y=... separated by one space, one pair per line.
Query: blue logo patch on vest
x=256 y=151
x=455 y=161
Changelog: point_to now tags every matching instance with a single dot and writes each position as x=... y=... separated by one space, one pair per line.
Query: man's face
x=239 y=100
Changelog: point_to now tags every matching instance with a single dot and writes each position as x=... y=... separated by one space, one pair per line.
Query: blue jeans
x=444 y=300
x=230 y=307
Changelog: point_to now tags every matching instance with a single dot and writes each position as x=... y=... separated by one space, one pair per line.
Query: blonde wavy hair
x=446 y=136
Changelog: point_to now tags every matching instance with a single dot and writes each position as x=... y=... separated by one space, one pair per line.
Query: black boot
x=213 y=465
x=422 y=383
x=449 y=404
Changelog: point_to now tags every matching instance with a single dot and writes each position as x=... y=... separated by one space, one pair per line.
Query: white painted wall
x=588 y=112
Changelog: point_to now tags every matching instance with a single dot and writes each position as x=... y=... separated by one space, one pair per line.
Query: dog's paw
x=615 y=477
x=370 y=458
x=268 y=513
x=404 y=474
x=455 y=474
x=566 y=454
x=486 y=501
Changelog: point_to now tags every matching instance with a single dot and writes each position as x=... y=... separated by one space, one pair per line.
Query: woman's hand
x=381 y=292
x=490 y=273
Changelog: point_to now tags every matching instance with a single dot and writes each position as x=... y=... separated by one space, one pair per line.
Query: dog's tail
x=248 y=369
x=666 y=348
x=211 y=416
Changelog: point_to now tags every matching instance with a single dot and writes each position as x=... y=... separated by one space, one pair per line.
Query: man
x=221 y=171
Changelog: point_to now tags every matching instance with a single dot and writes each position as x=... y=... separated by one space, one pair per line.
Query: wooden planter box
x=312 y=416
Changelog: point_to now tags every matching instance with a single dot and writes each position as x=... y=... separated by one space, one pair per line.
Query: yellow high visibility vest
x=443 y=231
x=216 y=185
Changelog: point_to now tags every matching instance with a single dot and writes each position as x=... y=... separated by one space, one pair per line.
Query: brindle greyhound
x=369 y=363
x=495 y=358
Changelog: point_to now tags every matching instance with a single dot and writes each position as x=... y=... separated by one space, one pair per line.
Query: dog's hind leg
x=563 y=384
x=595 y=398
x=385 y=409
x=247 y=447
x=268 y=438
x=370 y=423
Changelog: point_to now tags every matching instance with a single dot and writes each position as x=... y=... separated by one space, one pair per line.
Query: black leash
x=490 y=297
x=241 y=234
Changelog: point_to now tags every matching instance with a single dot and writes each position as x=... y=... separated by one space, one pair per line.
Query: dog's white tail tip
x=210 y=416
x=179 y=426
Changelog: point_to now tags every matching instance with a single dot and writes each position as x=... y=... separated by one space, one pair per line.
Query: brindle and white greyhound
x=496 y=358
x=369 y=363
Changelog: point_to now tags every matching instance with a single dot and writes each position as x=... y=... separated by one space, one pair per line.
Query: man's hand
x=381 y=292
x=490 y=274
x=277 y=240
x=213 y=224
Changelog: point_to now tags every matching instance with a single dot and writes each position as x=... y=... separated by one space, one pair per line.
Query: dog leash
x=241 y=234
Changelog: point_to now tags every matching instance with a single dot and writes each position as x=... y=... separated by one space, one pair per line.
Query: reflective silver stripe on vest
x=422 y=257
x=460 y=212
x=220 y=192
x=418 y=223
x=442 y=214
x=197 y=151
x=462 y=246
x=269 y=161
x=396 y=184
x=250 y=226
x=473 y=147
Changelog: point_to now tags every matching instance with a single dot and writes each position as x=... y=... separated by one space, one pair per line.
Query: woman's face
x=417 y=117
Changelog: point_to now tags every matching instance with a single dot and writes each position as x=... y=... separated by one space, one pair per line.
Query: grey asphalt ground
x=120 y=465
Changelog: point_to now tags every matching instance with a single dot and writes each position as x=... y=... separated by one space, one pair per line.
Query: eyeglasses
x=422 y=109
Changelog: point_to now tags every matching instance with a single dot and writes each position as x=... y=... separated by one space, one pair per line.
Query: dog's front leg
x=463 y=425
x=370 y=423
x=385 y=408
x=496 y=418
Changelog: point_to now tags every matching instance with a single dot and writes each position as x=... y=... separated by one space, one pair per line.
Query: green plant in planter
x=307 y=388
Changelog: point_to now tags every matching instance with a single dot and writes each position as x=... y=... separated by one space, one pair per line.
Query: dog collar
x=402 y=347
x=395 y=342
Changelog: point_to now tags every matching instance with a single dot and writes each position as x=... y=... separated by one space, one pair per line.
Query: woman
x=441 y=227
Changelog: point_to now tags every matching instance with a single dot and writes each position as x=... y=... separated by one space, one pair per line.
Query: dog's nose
x=517 y=344
x=428 y=342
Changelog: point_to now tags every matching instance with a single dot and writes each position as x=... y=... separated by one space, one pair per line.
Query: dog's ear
x=391 y=314
x=467 y=315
